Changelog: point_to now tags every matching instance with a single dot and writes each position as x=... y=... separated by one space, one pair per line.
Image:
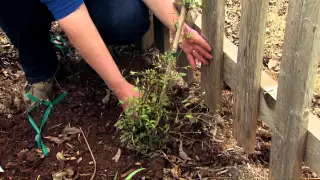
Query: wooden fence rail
x=286 y=108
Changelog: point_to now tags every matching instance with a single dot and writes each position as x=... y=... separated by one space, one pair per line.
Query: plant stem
x=181 y=21
x=175 y=45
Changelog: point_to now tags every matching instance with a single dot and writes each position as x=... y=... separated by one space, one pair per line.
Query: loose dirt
x=207 y=141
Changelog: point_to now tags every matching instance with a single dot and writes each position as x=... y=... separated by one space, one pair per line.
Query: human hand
x=126 y=91
x=195 y=47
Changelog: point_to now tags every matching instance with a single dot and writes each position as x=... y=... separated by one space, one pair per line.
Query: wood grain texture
x=296 y=82
x=213 y=17
x=268 y=97
x=148 y=39
x=312 y=156
x=248 y=73
x=181 y=64
x=161 y=35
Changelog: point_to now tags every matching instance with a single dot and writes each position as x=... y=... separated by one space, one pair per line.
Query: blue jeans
x=27 y=24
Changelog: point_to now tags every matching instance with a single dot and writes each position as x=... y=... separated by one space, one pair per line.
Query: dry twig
x=94 y=161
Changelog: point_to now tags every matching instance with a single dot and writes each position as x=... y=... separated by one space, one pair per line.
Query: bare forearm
x=84 y=36
x=165 y=11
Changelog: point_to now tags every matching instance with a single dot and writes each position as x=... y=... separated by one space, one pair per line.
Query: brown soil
x=83 y=108
x=209 y=145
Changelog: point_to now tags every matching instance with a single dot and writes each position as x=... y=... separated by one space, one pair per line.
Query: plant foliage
x=145 y=123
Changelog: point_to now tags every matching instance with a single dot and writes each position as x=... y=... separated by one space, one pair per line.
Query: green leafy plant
x=145 y=124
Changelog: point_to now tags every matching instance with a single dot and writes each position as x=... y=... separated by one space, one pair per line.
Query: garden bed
x=207 y=141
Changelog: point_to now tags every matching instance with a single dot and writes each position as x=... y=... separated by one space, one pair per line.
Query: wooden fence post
x=213 y=18
x=249 y=67
x=161 y=35
x=148 y=39
x=297 y=76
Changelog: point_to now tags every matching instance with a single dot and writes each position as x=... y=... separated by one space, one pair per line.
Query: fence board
x=213 y=18
x=297 y=77
x=148 y=39
x=183 y=62
x=312 y=155
x=162 y=35
x=268 y=97
x=249 y=66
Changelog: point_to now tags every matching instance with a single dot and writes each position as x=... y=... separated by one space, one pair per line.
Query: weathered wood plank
x=181 y=64
x=296 y=82
x=148 y=39
x=161 y=35
x=213 y=18
x=312 y=156
x=248 y=73
x=268 y=97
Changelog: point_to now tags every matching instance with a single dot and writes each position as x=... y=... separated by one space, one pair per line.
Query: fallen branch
x=94 y=161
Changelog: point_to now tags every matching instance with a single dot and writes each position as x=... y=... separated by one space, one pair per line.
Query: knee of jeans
x=125 y=26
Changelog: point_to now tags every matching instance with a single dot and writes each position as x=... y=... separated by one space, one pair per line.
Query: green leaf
x=142 y=135
x=154 y=99
x=189 y=116
x=137 y=81
x=115 y=177
x=186 y=100
x=182 y=74
x=136 y=89
x=134 y=173
x=129 y=111
x=144 y=116
x=188 y=36
x=187 y=104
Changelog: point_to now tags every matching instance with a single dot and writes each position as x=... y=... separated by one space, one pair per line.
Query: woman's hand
x=126 y=91
x=195 y=47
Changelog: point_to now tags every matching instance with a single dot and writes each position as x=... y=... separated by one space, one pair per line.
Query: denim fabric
x=27 y=24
